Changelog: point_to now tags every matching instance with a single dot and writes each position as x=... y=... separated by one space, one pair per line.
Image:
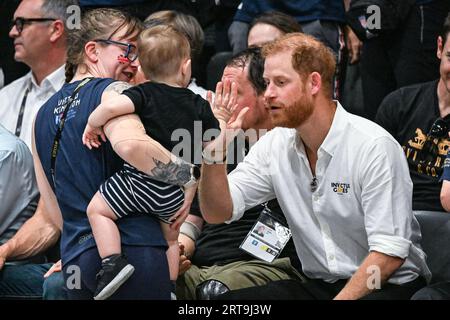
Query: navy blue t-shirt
x=80 y=171
x=302 y=11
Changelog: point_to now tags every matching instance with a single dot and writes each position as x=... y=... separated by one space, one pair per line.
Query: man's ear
x=91 y=51
x=56 y=31
x=186 y=67
x=440 y=47
x=315 y=82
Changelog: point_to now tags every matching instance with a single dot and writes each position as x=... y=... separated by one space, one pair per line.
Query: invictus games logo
x=340 y=188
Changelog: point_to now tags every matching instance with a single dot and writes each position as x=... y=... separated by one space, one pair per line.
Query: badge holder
x=267 y=238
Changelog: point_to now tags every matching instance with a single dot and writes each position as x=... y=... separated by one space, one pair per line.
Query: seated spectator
x=218 y=264
x=404 y=56
x=417 y=117
x=341 y=181
x=270 y=26
x=18 y=188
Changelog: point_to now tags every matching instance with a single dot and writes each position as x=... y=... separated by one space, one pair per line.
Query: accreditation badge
x=267 y=238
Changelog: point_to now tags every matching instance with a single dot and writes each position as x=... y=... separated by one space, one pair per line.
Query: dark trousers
x=437 y=291
x=404 y=57
x=150 y=280
x=319 y=290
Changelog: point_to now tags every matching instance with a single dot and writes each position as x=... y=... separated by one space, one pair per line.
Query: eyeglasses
x=20 y=22
x=438 y=130
x=131 y=53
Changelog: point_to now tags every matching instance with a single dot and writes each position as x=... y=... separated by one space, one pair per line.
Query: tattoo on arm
x=118 y=86
x=175 y=173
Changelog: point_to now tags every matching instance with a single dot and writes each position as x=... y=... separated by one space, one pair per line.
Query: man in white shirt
x=341 y=180
x=39 y=35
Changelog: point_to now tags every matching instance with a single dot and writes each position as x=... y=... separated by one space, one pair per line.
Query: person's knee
x=210 y=289
x=97 y=207
x=54 y=288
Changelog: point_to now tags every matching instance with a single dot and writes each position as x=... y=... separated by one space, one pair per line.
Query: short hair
x=283 y=22
x=57 y=8
x=446 y=29
x=308 y=55
x=252 y=58
x=161 y=51
x=184 y=23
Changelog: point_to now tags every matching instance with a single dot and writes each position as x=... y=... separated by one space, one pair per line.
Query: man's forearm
x=35 y=236
x=375 y=269
x=215 y=198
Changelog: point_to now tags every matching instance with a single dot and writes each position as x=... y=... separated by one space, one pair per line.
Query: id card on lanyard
x=267 y=238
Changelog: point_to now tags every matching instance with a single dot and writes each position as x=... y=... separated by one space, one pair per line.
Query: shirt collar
x=55 y=79
x=334 y=135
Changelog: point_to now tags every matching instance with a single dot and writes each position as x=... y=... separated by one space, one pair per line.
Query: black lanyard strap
x=59 y=131
x=21 y=112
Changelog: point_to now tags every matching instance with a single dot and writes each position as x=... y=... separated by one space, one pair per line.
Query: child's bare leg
x=104 y=228
x=173 y=253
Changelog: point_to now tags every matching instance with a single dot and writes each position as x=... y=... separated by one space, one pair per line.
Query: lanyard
x=59 y=131
x=21 y=112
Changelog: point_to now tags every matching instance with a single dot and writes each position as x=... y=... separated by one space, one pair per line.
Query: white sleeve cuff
x=238 y=203
x=391 y=245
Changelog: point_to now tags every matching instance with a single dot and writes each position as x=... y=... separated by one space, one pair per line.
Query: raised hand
x=224 y=104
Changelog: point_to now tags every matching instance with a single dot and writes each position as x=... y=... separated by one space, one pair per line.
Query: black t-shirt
x=218 y=244
x=408 y=114
x=164 y=109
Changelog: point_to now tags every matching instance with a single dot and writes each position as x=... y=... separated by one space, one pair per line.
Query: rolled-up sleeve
x=387 y=199
x=390 y=245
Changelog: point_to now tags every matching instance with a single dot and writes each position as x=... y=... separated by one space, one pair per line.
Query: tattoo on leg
x=176 y=173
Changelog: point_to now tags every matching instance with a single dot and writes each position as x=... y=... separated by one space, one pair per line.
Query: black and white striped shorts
x=131 y=191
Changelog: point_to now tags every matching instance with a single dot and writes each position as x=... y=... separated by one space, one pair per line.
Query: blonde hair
x=184 y=23
x=95 y=24
x=308 y=55
x=162 y=49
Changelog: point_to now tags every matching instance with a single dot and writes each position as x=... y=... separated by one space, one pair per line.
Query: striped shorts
x=131 y=191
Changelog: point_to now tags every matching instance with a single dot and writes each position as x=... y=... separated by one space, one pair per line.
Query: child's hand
x=224 y=104
x=90 y=136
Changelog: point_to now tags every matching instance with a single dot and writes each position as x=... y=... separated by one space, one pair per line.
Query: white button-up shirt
x=12 y=95
x=362 y=203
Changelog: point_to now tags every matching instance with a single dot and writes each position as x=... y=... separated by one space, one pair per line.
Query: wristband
x=213 y=160
x=190 y=230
